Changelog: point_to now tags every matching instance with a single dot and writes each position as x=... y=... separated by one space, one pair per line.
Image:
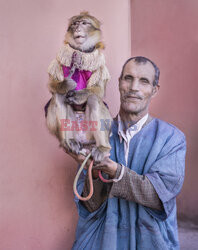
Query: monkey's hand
x=71 y=146
x=100 y=153
x=77 y=59
x=62 y=87
x=70 y=84
x=77 y=97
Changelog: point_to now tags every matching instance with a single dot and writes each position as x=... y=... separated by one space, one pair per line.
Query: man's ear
x=155 y=90
x=119 y=80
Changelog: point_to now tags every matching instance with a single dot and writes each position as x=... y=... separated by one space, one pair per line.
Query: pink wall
x=36 y=200
x=36 y=205
x=166 y=31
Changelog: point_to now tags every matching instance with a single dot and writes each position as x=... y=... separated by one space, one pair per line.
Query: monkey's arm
x=57 y=82
x=61 y=87
x=98 y=81
x=131 y=187
x=96 y=86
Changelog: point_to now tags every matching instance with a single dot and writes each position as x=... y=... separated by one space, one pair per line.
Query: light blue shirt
x=157 y=151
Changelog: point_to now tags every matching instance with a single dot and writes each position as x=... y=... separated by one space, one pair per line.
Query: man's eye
x=128 y=78
x=144 y=80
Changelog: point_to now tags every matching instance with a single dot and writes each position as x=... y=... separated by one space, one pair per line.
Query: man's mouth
x=132 y=97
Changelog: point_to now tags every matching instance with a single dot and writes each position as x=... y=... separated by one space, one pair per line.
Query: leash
x=90 y=180
x=102 y=178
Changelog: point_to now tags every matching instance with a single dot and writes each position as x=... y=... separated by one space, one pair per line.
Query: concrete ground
x=188 y=236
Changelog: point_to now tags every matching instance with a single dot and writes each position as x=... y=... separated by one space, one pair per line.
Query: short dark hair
x=142 y=59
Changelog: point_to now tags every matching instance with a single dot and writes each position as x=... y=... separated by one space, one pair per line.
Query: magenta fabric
x=80 y=77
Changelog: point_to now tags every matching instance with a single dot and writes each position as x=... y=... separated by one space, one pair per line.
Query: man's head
x=138 y=84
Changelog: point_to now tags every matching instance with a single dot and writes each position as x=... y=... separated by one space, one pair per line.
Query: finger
x=99 y=167
x=102 y=163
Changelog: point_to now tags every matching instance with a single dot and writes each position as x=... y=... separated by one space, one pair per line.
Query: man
x=138 y=209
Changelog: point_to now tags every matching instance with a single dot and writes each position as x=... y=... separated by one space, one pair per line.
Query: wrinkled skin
x=136 y=90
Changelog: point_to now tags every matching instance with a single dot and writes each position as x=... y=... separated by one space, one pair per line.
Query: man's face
x=136 y=87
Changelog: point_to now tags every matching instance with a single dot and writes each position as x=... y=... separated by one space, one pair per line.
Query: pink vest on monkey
x=81 y=77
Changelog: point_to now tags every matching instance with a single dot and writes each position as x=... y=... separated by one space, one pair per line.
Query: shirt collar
x=132 y=130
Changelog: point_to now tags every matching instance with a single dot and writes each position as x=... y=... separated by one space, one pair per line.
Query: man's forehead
x=139 y=69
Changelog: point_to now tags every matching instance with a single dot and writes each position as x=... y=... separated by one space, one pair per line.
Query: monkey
x=77 y=81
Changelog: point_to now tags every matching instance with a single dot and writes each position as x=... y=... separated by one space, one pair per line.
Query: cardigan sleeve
x=136 y=188
x=132 y=187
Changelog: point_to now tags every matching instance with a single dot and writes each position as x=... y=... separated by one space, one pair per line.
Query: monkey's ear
x=65 y=41
x=100 y=45
x=84 y=13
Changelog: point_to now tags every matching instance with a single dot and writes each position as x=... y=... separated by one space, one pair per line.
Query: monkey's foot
x=69 y=98
x=65 y=146
x=71 y=147
x=100 y=153
x=79 y=97
x=70 y=84
x=71 y=93
x=75 y=146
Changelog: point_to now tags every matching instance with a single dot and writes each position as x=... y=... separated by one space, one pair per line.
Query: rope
x=102 y=178
x=90 y=180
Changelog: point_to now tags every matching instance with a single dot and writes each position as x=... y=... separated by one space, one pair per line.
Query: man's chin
x=130 y=108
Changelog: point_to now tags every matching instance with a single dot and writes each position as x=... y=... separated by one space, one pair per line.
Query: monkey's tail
x=90 y=180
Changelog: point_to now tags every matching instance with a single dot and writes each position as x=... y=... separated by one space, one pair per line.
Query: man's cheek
x=121 y=94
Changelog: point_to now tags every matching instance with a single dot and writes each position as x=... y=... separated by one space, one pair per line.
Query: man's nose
x=134 y=85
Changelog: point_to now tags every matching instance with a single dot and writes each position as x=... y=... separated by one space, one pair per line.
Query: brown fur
x=85 y=15
x=95 y=108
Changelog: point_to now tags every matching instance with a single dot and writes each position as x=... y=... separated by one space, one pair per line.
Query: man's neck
x=131 y=118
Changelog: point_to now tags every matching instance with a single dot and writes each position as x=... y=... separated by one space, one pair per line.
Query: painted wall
x=167 y=33
x=36 y=200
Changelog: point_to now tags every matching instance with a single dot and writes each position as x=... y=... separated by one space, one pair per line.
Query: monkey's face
x=82 y=34
x=81 y=30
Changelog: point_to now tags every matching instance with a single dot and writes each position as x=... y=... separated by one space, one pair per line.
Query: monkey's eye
x=85 y=23
x=74 y=24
